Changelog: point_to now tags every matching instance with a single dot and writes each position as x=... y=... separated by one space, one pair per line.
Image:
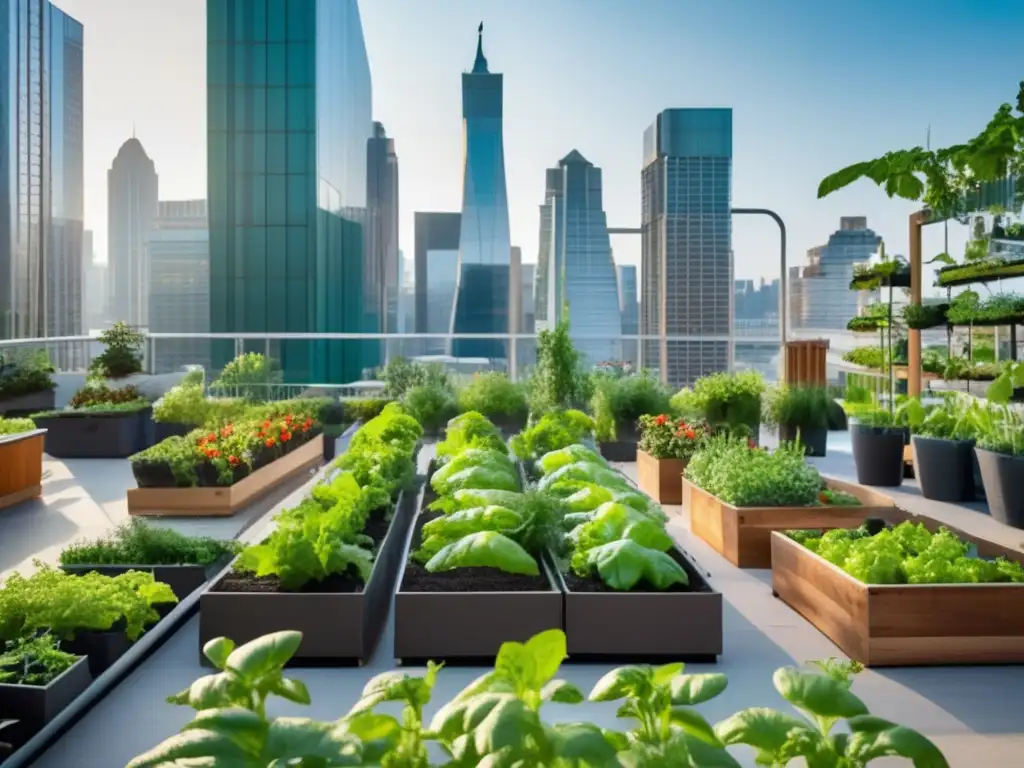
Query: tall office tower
x=527 y=317
x=515 y=288
x=179 y=285
x=288 y=116
x=94 y=286
x=132 y=196
x=828 y=302
x=686 y=260
x=629 y=310
x=482 y=293
x=795 y=313
x=382 y=271
x=574 y=266
x=41 y=174
x=436 y=276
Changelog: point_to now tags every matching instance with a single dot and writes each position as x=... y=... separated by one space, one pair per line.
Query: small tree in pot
x=800 y=413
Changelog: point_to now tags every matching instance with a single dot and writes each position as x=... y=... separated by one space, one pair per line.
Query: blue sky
x=814 y=86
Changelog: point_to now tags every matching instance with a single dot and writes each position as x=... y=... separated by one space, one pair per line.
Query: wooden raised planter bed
x=683 y=626
x=226 y=500
x=337 y=627
x=742 y=535
x=182 y=579
x=86 y=435
x=904 y=624
x=21 y=467
x=661 y=479
x=33 y=706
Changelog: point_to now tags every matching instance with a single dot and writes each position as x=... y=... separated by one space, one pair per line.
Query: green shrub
x=250 y=376
x=23 y=372
x=806 y=407
x=34 y=661
x=185 y=403
x=363 y=408
x=559 y=381
x=139 y=543
x=495 y=396
x=726 y=401
x=869 y=357
x=100 y=394
x=122 y=355
x=401 y=375
x=432 y=405
x=621 y=401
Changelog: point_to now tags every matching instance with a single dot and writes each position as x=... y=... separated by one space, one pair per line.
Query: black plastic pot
x=153 y=474
x=102 y=648
x=164 y=429
x=1003 y=476
x=623 y=447
x=878 y=454
x=814 y=439
x=24 y=405
x=94 y=435
x=944 y=468
x=33 y=706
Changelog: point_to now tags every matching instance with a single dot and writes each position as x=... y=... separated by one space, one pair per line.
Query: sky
x=814 y=86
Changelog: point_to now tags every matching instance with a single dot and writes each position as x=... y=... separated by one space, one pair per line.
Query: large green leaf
x=462 y=716
x=693 y=723
x=764 y=729
x=561 y=692
x=486 y=549
x=264 y=654
x=583 y=741
x=688 y=690
x=293 y=690
x=289 y=738
x=623 y=563
x=467 y=521
x=244 y=727
x=872 y=738
x=212 y=691
x=218 y=650
x=817 y=694
x=509 y=724
x=649 y=534
x=195 y=743
x=622 y=682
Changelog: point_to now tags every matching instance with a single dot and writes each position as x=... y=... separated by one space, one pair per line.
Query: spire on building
x=480 y=65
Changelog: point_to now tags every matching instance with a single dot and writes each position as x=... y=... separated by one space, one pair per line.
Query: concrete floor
x=975 y=714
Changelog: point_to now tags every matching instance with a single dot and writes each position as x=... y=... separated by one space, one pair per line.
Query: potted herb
x=182 y=409
x=878 y=443
x=801 y=414
x=250 y=376
x=37 y=681
x=1000 y=449
x=944 y=458
x=122 y=353
x=26 y=382
x=727 y=402
x=554 y=430
x=182 y=562
x=666 y=446
x=617 y=405
x=432 y=405
x=332 y=416
x=21 y=457
x=99 y=423
x=497 y=397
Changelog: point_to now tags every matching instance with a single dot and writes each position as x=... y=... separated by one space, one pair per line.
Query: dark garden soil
x=247 y=582
x=697 y=583
x=419 y=579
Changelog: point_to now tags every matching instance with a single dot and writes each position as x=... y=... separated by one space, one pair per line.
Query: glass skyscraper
x=41 y=173
x=686 y=256
x=289 y=117
x=629 y=309
x=574 y=266
x=383 y=273
x=436 y=275
x=482 y=293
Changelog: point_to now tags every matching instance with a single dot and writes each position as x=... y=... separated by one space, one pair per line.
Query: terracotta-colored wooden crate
x=903 y=624
x=743 y=534
x=226 y=501
x=661 y=479
x=21 y=467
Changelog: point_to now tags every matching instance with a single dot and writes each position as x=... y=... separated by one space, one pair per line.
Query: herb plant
x=558 y=382
x=34 y=660
x=122 y=354
x=250 y=376
x=140 y=543
x=15 y=426
x=494 y=395
x=23 y=372
x=620 y=401
x=98 y=393
x=803 y=407
x=432 y=405
x=401 y=375
x=726 y=401
x=552 y=431
x=185 y=403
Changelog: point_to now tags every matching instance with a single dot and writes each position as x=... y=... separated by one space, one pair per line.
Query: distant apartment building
x=179 y=286
x=436 y=276
x=132 y=198
x=686 y=252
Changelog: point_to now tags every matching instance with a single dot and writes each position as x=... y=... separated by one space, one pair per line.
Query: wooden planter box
x=33 y=706
x=336 y=627
x=661 y=479
x=227 y=500
x=21 y=467
x=904 y=624
x=182 y=579
x=742 y=535
x=686 y=626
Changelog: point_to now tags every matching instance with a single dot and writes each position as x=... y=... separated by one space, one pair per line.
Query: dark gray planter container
x=683 y=626
x=944 y=468
x=623 y=447
x=1003 y=476
x=33 y=706
x=102 y=648
x=94 y=436
x=336 y=627
x=814 y=439
x=182 y=579
x=164 y=429
x=878 y=454
x=24 y=405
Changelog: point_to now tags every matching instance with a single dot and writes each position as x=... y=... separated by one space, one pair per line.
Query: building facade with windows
x=289 y=114
x=686 y=255
x=382 y=269
x=436 y=271
x=483 y=284
x=629 y=310
x=41 y=174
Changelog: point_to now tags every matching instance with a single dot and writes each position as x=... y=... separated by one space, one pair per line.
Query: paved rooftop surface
x=975 y=714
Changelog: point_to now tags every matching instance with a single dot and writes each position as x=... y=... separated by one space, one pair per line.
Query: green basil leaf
x=264 y=654
x=688 y=690
x=817 y=694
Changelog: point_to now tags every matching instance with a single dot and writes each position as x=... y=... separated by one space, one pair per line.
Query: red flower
x=202 y=441
x=211 y=437
x=234 y=461
x=309 y=422
x=266 y=424
x=751 y=443
x=285 y=436
x=213 y=453
x=823 y=497
x=270 y=442
x=288 y=418
x=690 y=434
x=227 y=431
x=661 y=420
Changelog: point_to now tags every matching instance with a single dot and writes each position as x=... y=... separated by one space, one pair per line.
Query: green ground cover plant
x=23 y=372
x=726 y=401
x=33 y=660
x=806 y=407
x=15 y=426
x=623 y=400
x=552 y=431
x=140 y=543
x=495 y=396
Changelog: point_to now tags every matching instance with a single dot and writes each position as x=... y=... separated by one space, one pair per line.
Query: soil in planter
x=419 y=579
x=247 y=582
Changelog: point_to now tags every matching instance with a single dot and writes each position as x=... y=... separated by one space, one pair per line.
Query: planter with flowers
x=666 y=445
x=737 y=494
x=217 y=471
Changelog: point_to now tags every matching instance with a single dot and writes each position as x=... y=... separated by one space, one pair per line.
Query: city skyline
x=782 y=148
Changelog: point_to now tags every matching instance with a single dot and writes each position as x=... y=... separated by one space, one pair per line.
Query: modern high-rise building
x=686 y=257
x=436 y=276
x=132 y=197
x=515 y=285
x=179 y=286
x=482 y=293
x=575 y=268
x=827 y=301
x=289 y=114
x=41 y=173
x=94 y=286
x=528 y=313
x=382 y=270
x=629 y=310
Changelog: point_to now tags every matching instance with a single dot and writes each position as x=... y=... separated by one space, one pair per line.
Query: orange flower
x=661 y=420
x=234 y=461
x=226 y=431
x=285 y=436
x=202 y=441
x=266 y=424
x=269 y=442
x=823 y=497
x=211 y=437
x=212 y=453
x=309 y=422
x=288 y=418
x=690 y=434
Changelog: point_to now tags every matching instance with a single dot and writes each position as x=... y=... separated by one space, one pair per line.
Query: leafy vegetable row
x=906 y=554
x=324 y=534
x=498 y=719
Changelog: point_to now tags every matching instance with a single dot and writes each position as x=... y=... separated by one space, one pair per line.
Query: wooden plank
x=21 y=469
x=226 y=501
